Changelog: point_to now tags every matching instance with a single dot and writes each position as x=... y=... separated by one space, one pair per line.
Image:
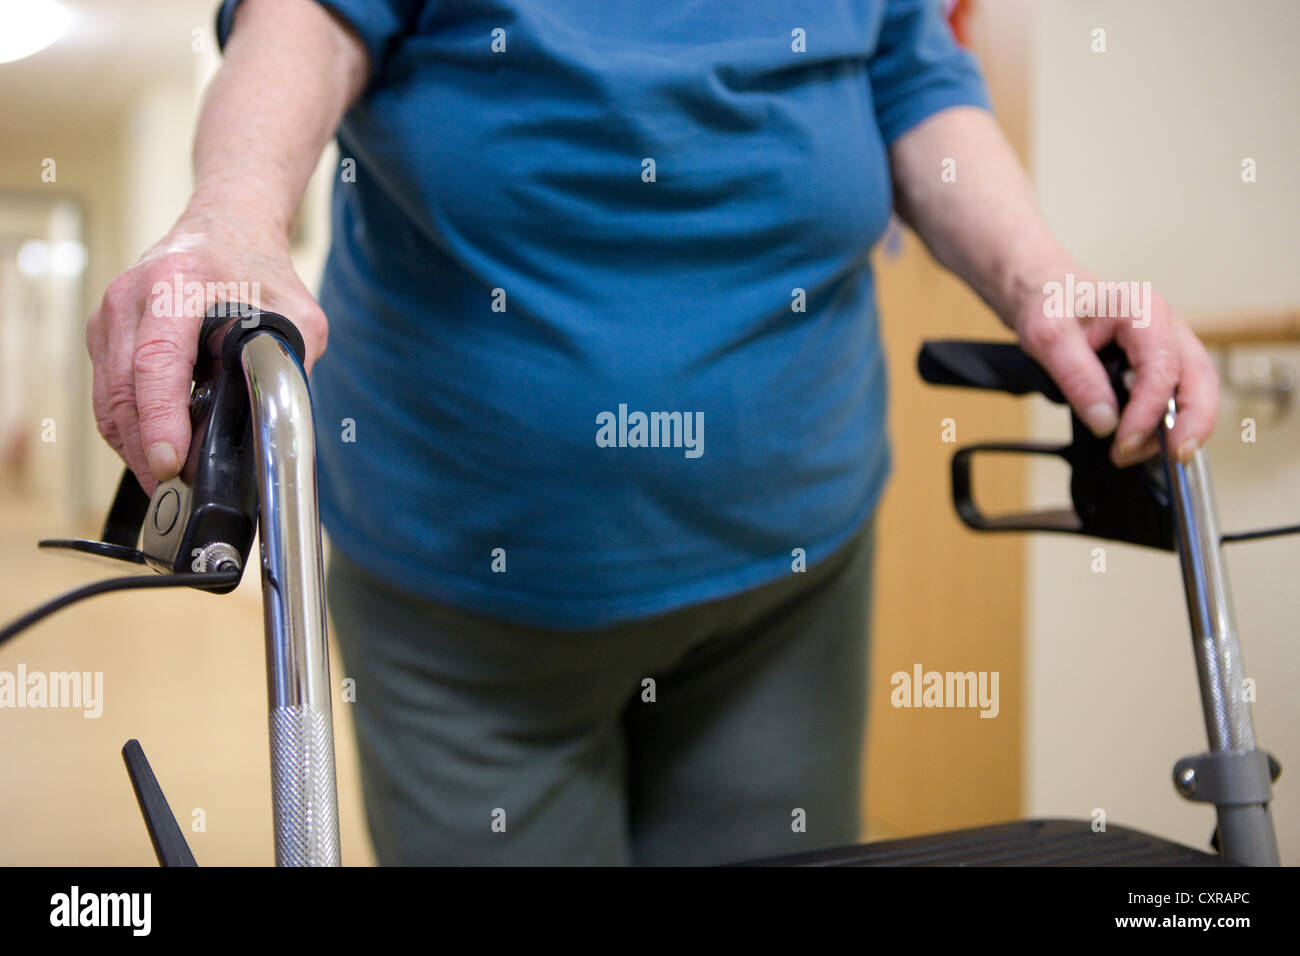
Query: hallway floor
x=184 y=673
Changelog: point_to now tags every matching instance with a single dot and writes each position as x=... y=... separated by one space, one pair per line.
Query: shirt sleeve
x=919 y=69
x=377 y=22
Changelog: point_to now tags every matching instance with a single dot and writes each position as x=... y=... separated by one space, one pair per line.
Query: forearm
x=289 y=73
x=984 y=225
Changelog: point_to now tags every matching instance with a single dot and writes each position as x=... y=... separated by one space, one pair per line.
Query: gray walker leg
x=1234 y=776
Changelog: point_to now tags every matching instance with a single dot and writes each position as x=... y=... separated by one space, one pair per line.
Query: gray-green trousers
x=728 y=731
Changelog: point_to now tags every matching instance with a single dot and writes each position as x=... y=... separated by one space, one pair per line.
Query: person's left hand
x=1166 y=355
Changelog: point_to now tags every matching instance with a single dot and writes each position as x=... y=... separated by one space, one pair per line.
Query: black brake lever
x=1117 y=504
x=121 y=528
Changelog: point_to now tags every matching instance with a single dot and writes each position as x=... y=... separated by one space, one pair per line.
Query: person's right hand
x=143 y=353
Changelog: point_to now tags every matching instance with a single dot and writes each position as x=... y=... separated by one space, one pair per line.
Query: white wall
x=1137 y=158
x=53 y=377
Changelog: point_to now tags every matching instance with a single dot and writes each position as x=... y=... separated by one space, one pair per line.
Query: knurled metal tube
x=303 y=786
x=1209 y=606
x=1246 y=832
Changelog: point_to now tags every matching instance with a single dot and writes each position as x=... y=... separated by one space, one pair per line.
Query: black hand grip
x=227 y=324
x=1003 y=367
x=999 y=366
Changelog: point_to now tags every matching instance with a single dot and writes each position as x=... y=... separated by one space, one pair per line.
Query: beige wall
x=87 y=171
x=1137 y=159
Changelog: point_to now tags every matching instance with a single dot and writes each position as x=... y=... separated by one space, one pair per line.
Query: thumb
x=164 y=370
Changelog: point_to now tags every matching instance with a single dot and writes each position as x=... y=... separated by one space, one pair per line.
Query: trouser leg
x=754 y=746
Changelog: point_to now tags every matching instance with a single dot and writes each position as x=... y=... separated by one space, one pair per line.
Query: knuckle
x=105 y=425
x=92 y=337
x=1043 y=334
x=167 y=265
x=119 y=298
x=119 y=398
x=155 y=420
x=1211 y=420
x=1201 y=361
x=1082 y=383
x=156 y=354
x=1206 y=376
x=1163 y=366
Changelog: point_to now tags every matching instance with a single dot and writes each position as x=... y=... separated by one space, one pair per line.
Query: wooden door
x=947 y=598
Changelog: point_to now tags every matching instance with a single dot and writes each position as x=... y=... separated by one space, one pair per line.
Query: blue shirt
x=603 y=340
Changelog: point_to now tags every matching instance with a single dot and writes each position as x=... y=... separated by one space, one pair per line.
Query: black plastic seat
x=1021 y=843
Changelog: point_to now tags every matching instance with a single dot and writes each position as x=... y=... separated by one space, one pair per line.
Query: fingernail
x=1101 y=419
x=1127 y=450
x=1187 y=449
x=162 y=460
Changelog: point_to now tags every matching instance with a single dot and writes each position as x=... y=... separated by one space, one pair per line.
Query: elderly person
x=602 y=415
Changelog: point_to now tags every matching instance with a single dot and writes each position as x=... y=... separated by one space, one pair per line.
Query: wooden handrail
x=1258 y=328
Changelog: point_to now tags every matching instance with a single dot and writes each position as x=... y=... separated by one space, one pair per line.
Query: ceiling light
x=33 y=258
x=68 y=258
x=29 y=26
